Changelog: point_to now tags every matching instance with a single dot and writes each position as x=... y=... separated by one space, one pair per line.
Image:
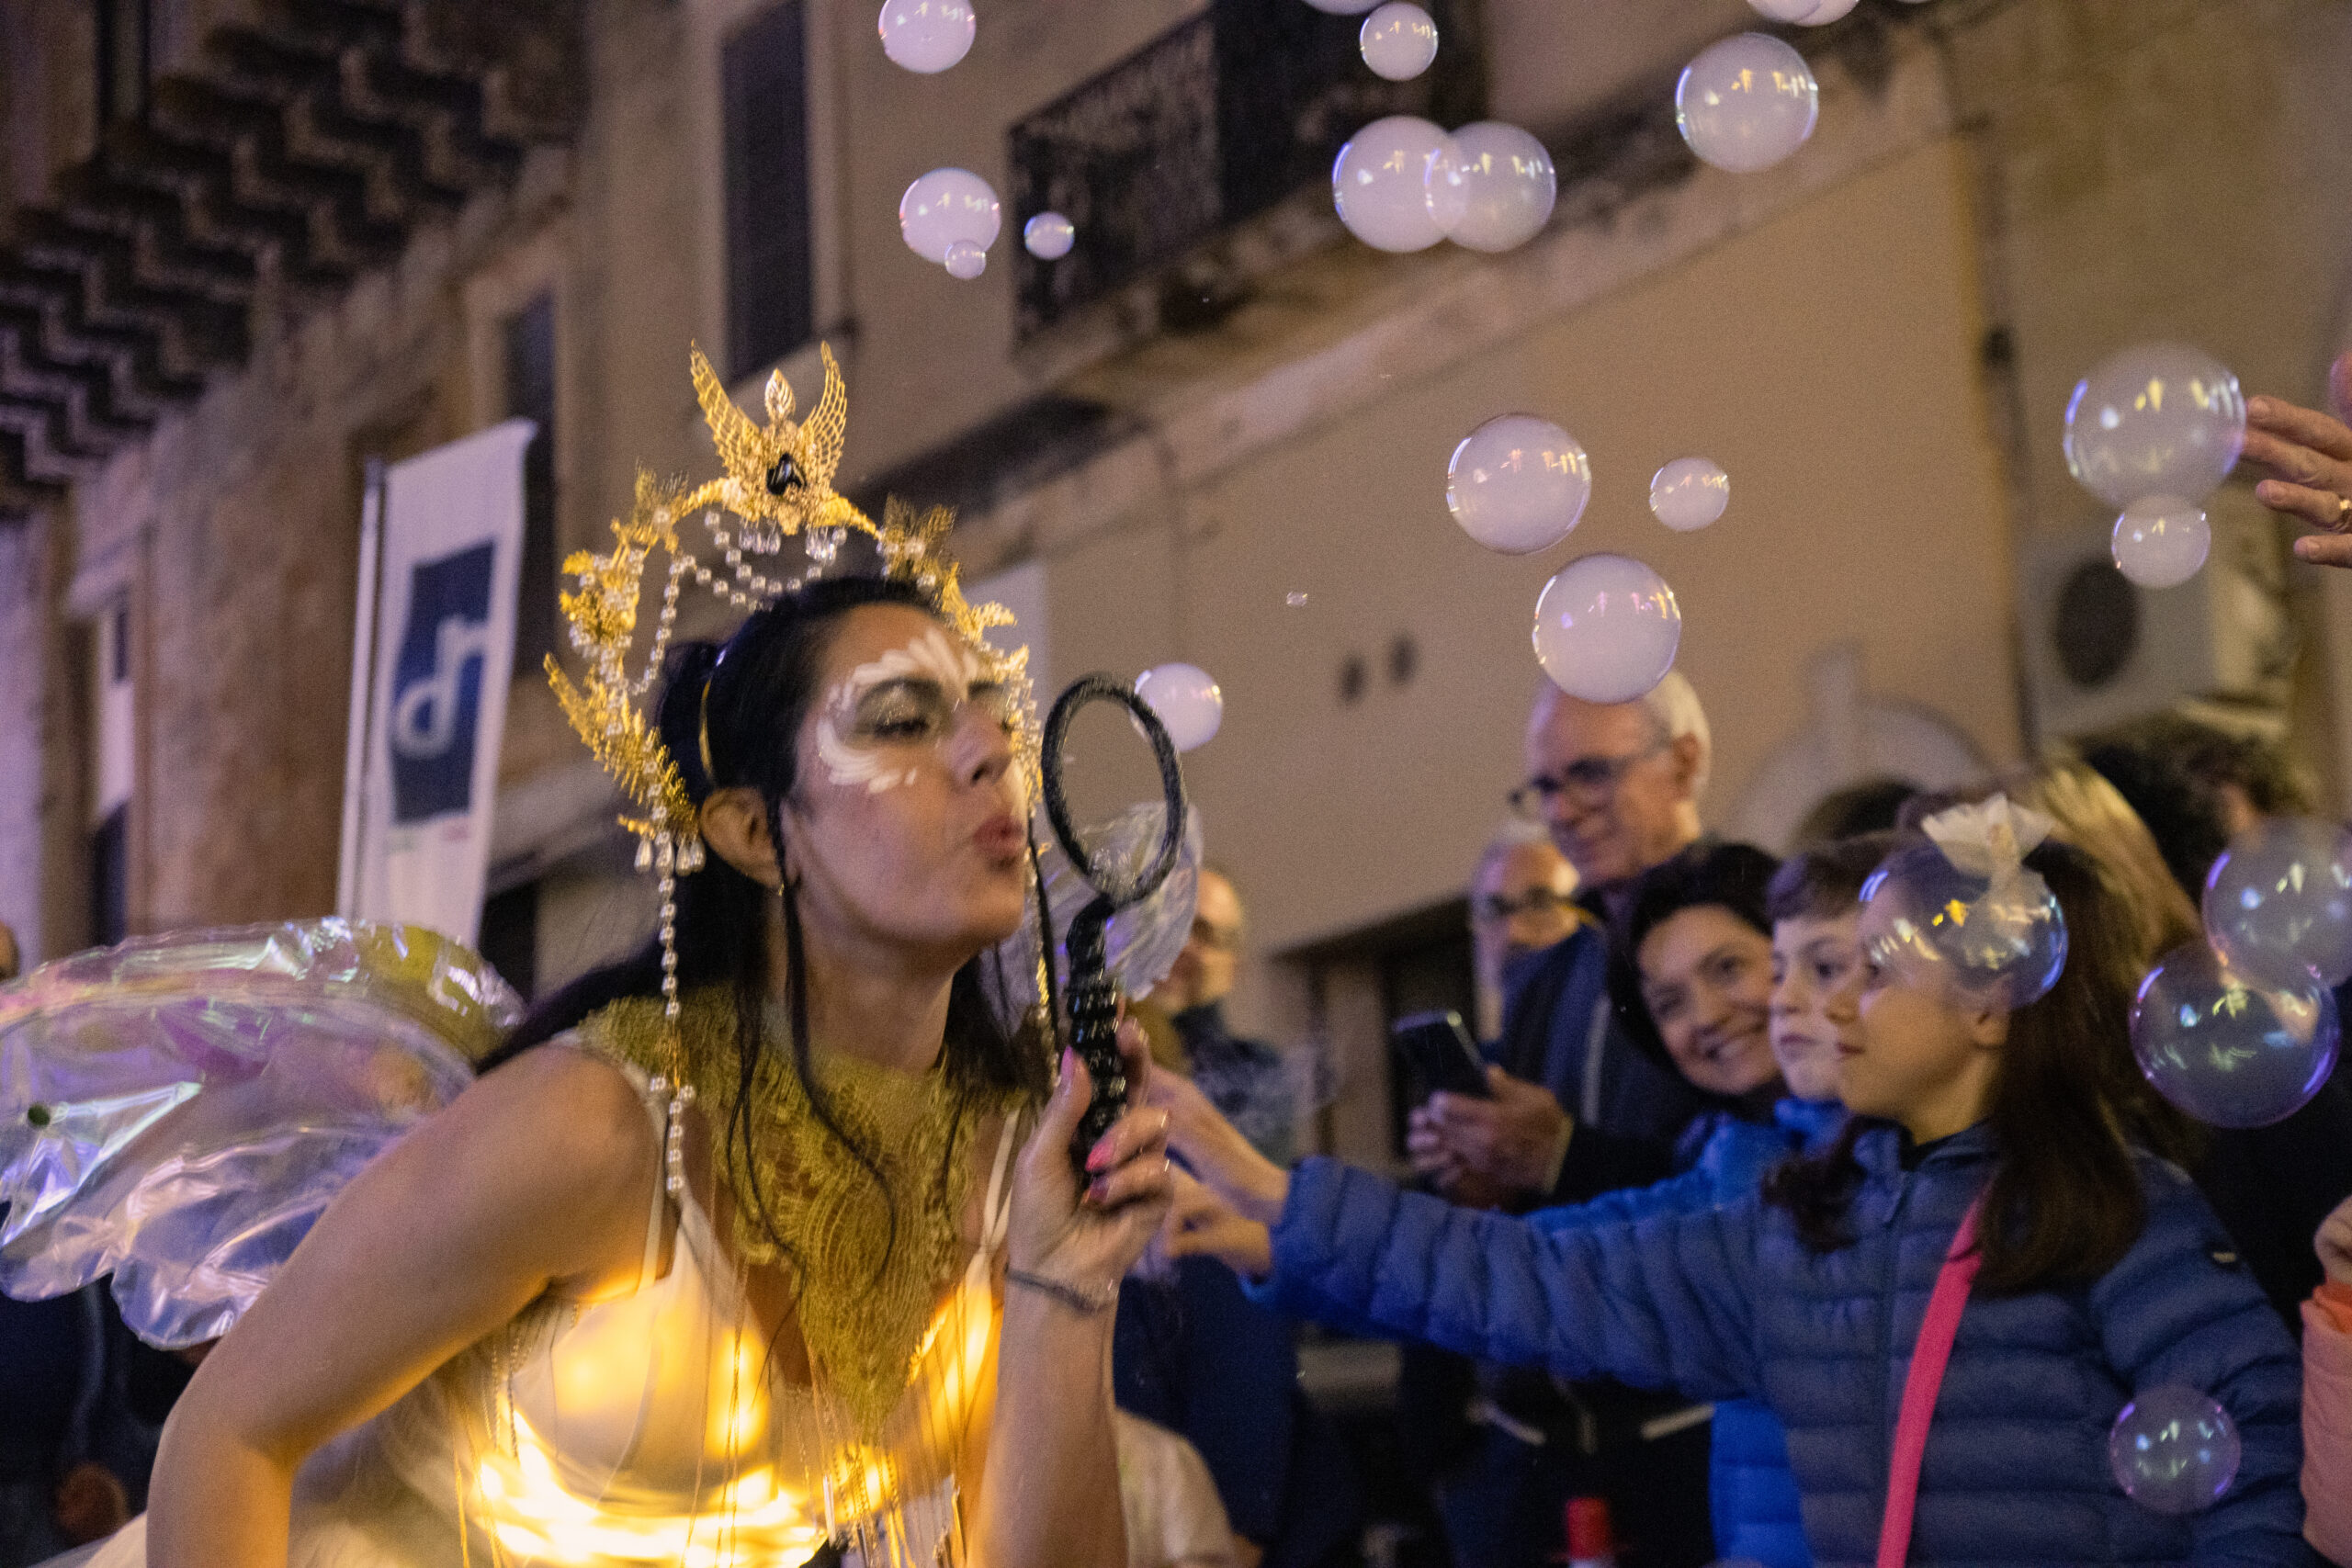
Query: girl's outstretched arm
x=1665 y=1303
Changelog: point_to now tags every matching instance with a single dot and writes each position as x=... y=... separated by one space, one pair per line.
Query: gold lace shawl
x=869 y=1264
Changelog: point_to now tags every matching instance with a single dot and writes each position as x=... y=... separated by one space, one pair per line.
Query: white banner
x=417 y=814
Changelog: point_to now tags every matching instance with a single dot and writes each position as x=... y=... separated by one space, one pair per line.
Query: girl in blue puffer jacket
x=2100 y=1273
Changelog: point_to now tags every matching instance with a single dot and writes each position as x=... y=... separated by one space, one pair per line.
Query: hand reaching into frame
x=2305 y=456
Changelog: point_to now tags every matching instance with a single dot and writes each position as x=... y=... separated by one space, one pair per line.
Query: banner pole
x=363 y=649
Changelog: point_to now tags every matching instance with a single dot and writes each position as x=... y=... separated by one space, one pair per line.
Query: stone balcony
x=285 y=148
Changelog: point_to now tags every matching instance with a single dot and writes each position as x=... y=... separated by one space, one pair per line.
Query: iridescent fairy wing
x=177 y=1110
x=1144 y=939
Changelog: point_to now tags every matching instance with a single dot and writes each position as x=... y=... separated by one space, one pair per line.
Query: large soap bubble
x=1049 y=236
x=946 y=207
x=1507 y=182
x=1607 y=629
x=1746 y=103
x=2161 y=541
x=2158 y=419
x=1827 y=11
x=1398 y=40
x=1385 y=178
x=1518 y=483
x=1689 y=493
x=1185 y=700
x=1996 y=936
x=2279 y=900
x=927 y=36
x=2227 y=1047
x=2173 y=1450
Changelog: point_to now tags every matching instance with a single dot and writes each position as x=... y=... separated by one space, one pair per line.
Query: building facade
x=249 y=245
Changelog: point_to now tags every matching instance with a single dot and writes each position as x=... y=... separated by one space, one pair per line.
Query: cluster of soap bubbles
x=1403 y=184
x=1185 y=700
x=2173 y=1450
x=951 y=217
x=2153 y=430
x=2239 y=1030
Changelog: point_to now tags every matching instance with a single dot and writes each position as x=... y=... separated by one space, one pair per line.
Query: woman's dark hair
x=748 y=697
x=1826 y=881
x=1731 y=876
x=2068 y=1109
x=1870 y=806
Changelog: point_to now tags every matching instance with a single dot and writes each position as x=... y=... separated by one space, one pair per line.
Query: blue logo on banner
x=436 y=685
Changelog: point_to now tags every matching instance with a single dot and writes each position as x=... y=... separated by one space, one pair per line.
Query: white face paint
x=875 y=717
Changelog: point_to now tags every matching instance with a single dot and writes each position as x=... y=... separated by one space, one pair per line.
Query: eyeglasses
x=1588 y=781
x=1534 y=901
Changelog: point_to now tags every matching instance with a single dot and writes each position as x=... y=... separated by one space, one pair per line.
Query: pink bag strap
x=1926 y=1380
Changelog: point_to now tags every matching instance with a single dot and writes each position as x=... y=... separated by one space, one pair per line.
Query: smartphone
x=1442 y=1053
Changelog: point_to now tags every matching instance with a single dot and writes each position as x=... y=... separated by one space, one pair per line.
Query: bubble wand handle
x=1094 y=995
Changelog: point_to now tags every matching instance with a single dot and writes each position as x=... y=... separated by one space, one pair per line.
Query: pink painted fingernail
x=1099 y=1156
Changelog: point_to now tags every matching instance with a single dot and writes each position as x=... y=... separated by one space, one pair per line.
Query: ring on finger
x=2343 y=510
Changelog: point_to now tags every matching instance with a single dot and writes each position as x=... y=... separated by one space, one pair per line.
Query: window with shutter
x=764 y=91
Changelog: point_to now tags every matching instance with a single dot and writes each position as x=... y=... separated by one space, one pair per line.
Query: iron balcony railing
x=1211 y=123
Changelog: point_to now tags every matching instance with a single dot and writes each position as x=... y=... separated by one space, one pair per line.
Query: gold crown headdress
x=779 y=485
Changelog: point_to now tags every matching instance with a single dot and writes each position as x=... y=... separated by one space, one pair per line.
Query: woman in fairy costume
x=767 y=1247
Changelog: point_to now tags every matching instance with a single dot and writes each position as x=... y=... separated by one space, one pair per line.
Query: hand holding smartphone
x=1442 y=1053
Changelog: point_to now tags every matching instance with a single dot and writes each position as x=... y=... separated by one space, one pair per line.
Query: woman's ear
x=1987 y=1025
x=735 y=826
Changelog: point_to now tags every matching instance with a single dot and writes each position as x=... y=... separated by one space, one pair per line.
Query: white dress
x=652 y=1428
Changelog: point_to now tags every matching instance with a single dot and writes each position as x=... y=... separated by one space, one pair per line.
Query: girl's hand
x=1217 y=1151
x=2334 y=1244
x=1088 y=1239
x=1200 y=1224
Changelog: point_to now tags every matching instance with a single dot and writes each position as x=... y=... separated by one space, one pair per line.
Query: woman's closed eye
x=902 y=712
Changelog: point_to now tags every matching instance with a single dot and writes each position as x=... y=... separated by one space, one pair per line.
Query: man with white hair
x=1618 y=786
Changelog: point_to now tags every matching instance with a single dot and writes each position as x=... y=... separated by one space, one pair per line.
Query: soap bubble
x=1746 y=103
x=2161 y=540
x=946 y=206
x=1049 y=236
x=927 y=36
x=1185 y=701
x=2157 y=419
x=1518 y=483
x=1826 y=11
x=2278 y=902
x=965 y=260
x=1398 y=40
x=1689 y=493
x=1506 y=184
x=2227 y=1047
x=2173 y=1450
x=1384 y=181
x=1606 y=628
x=1934 y=923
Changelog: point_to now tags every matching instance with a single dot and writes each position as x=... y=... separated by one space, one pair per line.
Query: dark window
x=530 y=394
x=510 y=935
x=125 y=64
x=110 y=880
x=118 y=644
x=764 y=89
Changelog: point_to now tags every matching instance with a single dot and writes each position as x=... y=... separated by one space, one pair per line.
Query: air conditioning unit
x=2098 y=649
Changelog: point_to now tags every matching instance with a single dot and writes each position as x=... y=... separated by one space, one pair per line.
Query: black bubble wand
x=1093 y=997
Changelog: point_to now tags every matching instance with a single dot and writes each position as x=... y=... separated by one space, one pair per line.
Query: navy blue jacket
x=1729 y=1302
x=1751 y=1493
